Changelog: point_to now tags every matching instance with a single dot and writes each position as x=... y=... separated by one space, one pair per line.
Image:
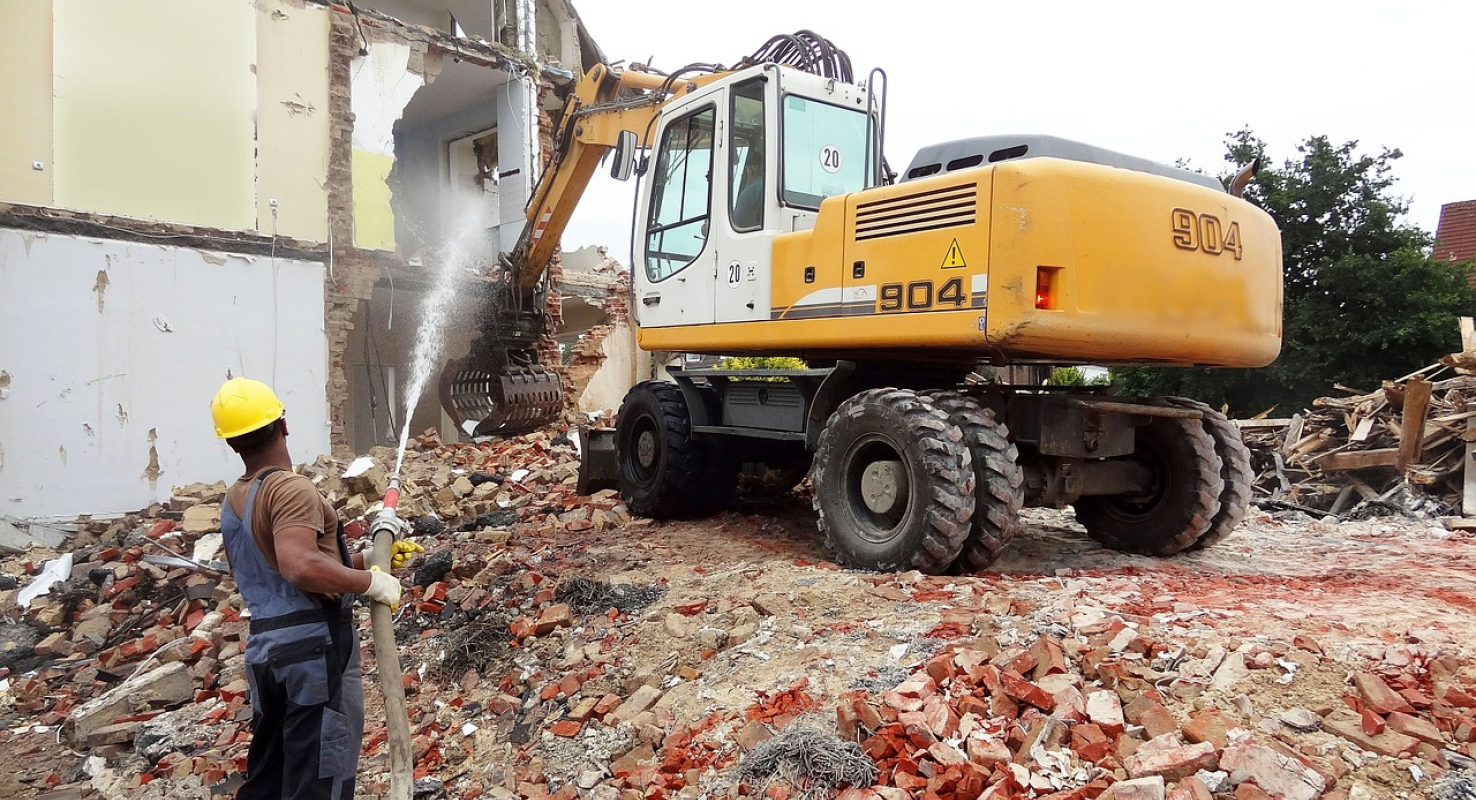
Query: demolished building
x=266 y=195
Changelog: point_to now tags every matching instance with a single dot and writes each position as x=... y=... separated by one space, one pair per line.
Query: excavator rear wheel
x=998 y=479
x=1180 y=506
x=1235 y=471
x=658 y=463
x=894 y=483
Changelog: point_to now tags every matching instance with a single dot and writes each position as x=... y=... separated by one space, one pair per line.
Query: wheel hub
x=646 y=449
x=884 y=487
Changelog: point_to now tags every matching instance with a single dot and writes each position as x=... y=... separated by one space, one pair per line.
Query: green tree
x=1363 y=301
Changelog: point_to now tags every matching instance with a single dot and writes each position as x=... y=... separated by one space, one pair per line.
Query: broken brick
x=1168 y=756
x=1104 y=709
x=1151 y=788
x=567 y=728
x=1017 y=687
x=1208 y=725
x=1378 y=695
x=558 y=615
x=1414 y=726
x=1272 y=770
x=1151 y=714
x=1350 y=726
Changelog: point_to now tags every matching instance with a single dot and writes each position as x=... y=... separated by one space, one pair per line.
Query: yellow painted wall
x=292 y=120
x=381 y=85
x=25 y=101
x=374 y=219
x=155 y=106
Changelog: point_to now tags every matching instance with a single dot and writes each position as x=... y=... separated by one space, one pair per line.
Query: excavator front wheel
x=1178 y=508
x=658 y=464
x=894 y=483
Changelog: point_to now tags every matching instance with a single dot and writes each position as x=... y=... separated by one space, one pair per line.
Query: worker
x=291 y=563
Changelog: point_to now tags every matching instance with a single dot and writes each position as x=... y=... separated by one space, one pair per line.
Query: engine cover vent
x=922 y=211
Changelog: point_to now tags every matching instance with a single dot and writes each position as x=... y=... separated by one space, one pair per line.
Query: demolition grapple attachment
x=484 y=401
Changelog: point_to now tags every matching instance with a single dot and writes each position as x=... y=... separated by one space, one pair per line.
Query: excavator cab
x=717 y=185
x=734 y=165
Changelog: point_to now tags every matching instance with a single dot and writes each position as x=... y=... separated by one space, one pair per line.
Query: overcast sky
x=1162 y=80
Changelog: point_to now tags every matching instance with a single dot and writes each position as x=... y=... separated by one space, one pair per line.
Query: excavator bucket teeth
x=482 y=403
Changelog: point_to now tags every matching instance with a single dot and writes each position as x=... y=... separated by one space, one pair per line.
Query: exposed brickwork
x=354 y=271
x=1455 y=239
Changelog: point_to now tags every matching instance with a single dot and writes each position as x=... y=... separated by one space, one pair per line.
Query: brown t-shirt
x=285 y=500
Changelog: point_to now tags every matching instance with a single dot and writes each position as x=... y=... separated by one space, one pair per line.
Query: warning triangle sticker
x=954 y=259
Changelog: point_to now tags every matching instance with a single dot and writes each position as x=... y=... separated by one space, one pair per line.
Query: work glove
x=383 y=588
x=402 y=552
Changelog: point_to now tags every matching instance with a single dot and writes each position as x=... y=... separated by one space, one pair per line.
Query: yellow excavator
x=768 y=223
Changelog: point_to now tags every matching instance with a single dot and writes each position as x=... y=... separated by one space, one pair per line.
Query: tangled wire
x=593 y=597
x=812 y=762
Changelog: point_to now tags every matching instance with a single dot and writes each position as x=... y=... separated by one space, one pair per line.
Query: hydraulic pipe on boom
x=502 y=387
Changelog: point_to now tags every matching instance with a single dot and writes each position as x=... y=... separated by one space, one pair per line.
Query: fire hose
x=383 y=529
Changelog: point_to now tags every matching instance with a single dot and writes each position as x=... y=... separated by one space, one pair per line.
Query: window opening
x=824 y=151
x=746 y=157
x=677 y=229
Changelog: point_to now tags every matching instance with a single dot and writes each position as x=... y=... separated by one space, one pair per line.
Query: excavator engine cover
x=516 y=401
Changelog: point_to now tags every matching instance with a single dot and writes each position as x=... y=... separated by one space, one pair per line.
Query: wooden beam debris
x=1412 y=438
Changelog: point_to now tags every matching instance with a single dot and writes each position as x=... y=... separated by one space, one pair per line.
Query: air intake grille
x=912 y=213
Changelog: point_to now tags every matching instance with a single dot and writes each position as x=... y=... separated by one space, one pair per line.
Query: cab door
x=675 y=259
x=748 y=207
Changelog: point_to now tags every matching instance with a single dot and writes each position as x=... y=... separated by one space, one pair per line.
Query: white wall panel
x=110 y=352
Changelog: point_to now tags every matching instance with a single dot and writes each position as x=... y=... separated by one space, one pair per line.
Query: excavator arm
x=501 y=387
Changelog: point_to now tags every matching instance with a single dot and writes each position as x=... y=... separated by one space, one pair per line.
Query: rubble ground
x=554 y=646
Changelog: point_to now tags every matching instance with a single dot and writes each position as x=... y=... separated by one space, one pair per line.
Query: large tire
x=1180 y=507
x=998 y=479
x=1235 y=471
x=928 y=473
x=658 y=463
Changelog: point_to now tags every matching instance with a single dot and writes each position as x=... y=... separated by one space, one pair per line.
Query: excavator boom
x=502 y=388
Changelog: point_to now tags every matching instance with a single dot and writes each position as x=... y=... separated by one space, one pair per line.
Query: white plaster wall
x=109 y=355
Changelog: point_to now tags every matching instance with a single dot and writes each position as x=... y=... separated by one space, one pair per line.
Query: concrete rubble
x=555 y=647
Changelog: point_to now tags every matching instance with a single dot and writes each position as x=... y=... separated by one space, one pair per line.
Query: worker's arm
x=312 y=570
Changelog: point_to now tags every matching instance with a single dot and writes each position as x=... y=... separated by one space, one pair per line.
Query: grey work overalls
x=302 y=671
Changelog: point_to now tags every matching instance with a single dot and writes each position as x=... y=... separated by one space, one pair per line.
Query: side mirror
x=624 y=159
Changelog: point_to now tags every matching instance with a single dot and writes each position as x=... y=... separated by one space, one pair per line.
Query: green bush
x=761 y=362
x=1073 y=376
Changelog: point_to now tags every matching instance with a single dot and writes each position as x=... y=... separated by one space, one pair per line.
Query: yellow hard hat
x=242 y=406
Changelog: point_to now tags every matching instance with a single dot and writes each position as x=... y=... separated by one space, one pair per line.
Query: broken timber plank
x=1293 y=433
x=1261 y=424
x=1363 y=429
x=1412 y=424
x=1358 y=459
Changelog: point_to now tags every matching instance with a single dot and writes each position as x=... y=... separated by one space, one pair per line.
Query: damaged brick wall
x=357 y=270
x=589 y=354
x=353 y=272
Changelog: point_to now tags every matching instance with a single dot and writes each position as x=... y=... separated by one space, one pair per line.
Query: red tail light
x=1045 y=287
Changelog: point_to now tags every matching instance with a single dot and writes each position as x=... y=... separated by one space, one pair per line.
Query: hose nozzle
x=388 y=517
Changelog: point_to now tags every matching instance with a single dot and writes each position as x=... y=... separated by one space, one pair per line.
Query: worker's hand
x=383 y=588
x=402 y=552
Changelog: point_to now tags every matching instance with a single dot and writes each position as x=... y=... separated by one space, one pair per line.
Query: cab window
x=677 y=229
x=746 y=157
x=824 y=151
